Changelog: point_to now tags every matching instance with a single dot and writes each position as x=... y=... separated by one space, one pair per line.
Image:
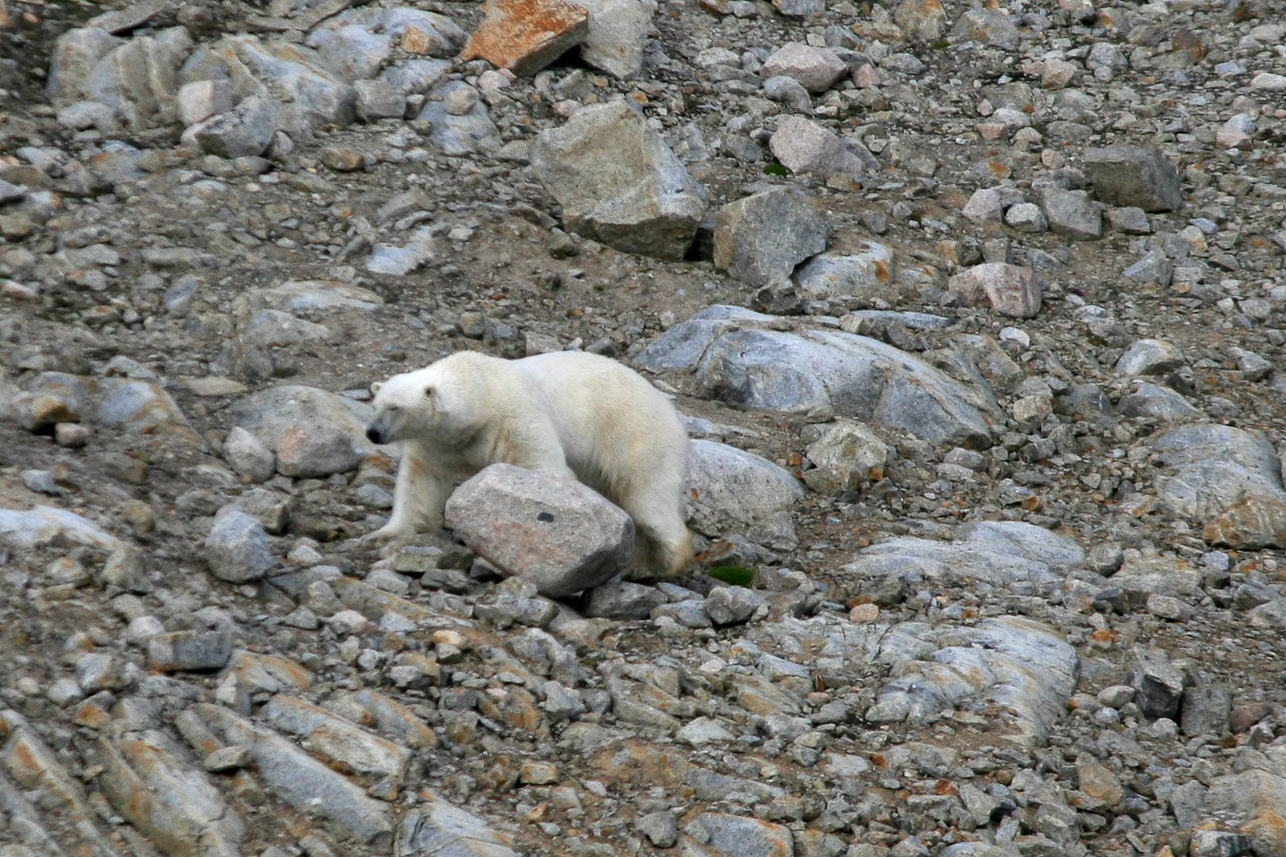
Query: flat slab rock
x=735 y=359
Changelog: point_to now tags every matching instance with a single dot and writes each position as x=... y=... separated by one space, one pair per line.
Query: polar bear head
x=437 y=403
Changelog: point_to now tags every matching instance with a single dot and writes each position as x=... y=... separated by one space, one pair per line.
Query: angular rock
x=732 y=605
x=1250 y=523
x=987 y=26
x=763 y=237
x=346 y=745
x=436 y=828
x=1009 y=289
x=853 y=376
x=1149 y=357
x=925 y=20
x=619 y=182
x=552 y=531
x=312 y=432
x=1157 y=683
x=245 y=130
x=816 y=69
x=984 y=205
x=846 y=455
x=735 y=834
x=730 y=488
x=460 y=133
x=189 y=650
x=43 y=524
x=237 y=548
x=868 y=274
x=139 y=79
x=617 y=33
x=73 y=59
x=803 y=146
x=524 y=36
x=304 y=783
x=1205 y=710
x=1141 y=176
x=1072 y=213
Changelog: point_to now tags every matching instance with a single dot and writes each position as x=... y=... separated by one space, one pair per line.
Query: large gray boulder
x=735 y=359
x=730 y=488
x=553 y=531
x=762 y=237
x=619 y=182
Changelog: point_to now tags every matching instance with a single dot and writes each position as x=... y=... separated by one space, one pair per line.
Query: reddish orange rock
x=524 y=36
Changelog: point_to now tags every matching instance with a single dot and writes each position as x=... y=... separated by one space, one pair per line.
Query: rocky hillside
x=975 y=313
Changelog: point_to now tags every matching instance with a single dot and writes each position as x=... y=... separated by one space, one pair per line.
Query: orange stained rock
x=524 y=36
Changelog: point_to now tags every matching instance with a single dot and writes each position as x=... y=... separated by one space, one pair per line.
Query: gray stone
x=792 y=8
x=1154 y=267
x=1123 y=174
x=984 y=205
x=1205 y=710
x=788 y=91
x=43 y=524
x=1001 y=556
x=1149 y=357
x=415 y=77
x=189 y=650
x=246 y=129
x=552 y=531
x=73 y=59
x=661 y=828
x=377 y=99
x=201 y=99
x=439 y=829
x=1157 y=683
x=1009 y=289
x=305 y=93
x=139 y=79
x=274 y=328
x=816 y=69
x=331 y=737
x=987 y=26
x=803 y=146
x=729 y=488
x=740 y=836
x=618 y=182
x=304 y=783
x=846 y=455
x=1072 y=213
x=732 y=605
x=312 y=432
x=351 y=49
x=1020 y=666
x=1151 y=400
x=459 y=133
x=623 y=600
x=162 y=795
x=866 y=275
x=237 y=549
x=1026 y=217
x=848 y=375
x=762 y=237
x=1218 y=843
x=617 y=33
x=1129 y=219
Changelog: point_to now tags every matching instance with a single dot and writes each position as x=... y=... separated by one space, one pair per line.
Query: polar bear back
x=611 y=421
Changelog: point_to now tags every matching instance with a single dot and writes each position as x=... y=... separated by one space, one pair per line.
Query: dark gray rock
x=763 y=237
x=1157 y=683
x=1141 y=176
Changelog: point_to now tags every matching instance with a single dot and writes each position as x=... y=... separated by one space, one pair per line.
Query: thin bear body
x=570 y=412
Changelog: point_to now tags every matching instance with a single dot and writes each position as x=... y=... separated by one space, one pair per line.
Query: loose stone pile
x=974 y=312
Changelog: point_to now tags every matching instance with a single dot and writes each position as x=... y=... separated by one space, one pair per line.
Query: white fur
x=567 y=412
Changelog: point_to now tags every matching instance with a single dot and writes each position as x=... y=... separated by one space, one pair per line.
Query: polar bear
x=569 y=412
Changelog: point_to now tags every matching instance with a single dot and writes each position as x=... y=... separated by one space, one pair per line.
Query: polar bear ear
x=375 y=387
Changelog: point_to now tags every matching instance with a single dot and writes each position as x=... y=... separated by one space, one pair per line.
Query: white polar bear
x=569 y=412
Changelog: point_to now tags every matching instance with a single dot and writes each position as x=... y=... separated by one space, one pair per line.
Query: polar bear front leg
x=418 y=498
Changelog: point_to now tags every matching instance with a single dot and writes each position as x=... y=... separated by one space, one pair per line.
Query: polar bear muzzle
x=378 y=430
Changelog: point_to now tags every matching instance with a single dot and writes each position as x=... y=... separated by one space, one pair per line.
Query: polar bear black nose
x=373 y=435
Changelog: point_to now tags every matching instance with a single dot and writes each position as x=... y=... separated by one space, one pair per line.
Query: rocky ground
x=1001 y=453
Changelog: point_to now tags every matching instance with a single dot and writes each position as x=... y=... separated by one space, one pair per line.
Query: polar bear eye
x=429 y=392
